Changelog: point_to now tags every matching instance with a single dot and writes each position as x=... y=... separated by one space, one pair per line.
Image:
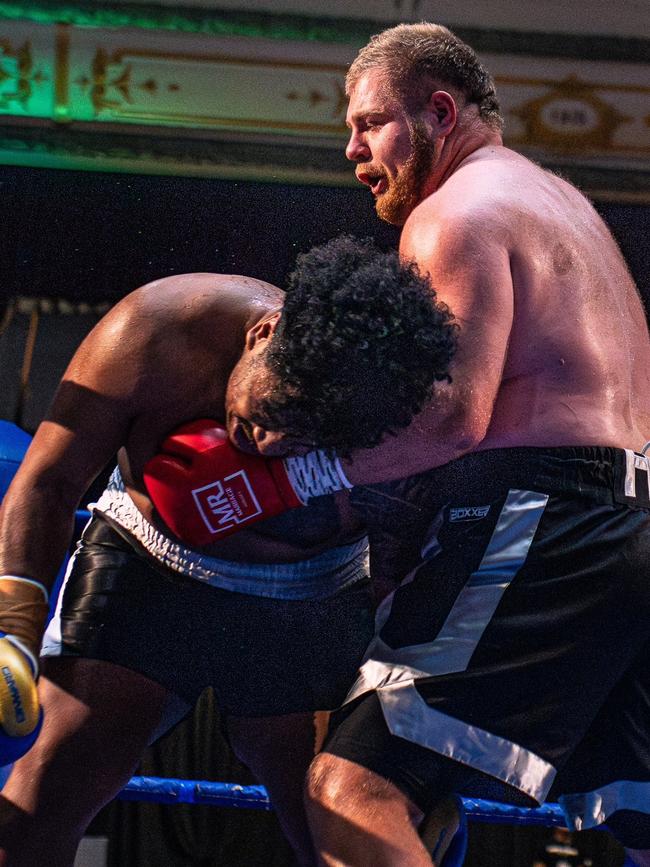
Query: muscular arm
x=467 y=258
x=85 y=425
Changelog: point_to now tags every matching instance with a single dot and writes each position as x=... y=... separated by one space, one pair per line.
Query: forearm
x=405 y=456
x=35 y=531
x=434 y=438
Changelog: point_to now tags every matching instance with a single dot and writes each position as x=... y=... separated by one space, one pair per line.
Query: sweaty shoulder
x=167 y=328
x=498 y=198
x=195 y=308
x=474 y=208
x=184 y=296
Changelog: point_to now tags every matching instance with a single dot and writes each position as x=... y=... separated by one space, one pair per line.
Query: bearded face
x=405 y=188
x=391 y=145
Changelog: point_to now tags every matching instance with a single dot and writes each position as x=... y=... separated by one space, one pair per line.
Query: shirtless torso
x=550 y=382
x=553 y=346
x=160 y=357
x=566 y=340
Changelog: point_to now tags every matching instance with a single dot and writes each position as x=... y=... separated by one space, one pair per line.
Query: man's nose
x=357 y=150
x=268 y=442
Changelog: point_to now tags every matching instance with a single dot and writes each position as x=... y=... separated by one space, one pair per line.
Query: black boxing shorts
x=262 y=656
x=512 y=660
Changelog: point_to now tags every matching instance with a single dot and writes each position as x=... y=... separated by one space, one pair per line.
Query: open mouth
x=378 y=183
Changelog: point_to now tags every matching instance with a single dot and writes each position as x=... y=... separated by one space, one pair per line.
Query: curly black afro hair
x=359 y=345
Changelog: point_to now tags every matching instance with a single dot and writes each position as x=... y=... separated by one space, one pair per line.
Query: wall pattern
x=147 y=99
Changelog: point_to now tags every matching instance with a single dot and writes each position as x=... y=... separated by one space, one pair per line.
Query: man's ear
x=442 y=112
x=263 y=330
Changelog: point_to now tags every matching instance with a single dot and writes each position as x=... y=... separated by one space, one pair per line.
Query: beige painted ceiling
x=255 y=90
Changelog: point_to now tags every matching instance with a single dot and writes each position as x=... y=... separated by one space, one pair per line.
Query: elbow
x=469 y=433
x=461 y=418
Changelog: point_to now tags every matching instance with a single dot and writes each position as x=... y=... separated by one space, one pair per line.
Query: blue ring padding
x=495 y=813
x=81 y=518
x=166 y=791
x=13 y=748
x=170 y=791
x=14 y=442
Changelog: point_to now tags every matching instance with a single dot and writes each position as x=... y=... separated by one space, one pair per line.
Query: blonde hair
x=414 y=58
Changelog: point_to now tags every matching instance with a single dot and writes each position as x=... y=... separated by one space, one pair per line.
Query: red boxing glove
x=205 y=489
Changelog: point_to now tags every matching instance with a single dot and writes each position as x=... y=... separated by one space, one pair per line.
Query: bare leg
x=99 y=718
x=359 y=819
x=278 y=750
x=438 y=827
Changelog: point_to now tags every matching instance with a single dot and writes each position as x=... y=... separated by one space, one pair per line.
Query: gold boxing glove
x=23 y=612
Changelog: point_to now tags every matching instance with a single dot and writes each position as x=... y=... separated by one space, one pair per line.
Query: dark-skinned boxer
x=275 y=617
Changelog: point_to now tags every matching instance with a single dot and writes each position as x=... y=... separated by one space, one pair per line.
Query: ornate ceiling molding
x=148 y=89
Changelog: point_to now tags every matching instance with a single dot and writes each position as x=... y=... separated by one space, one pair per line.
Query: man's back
x=518 y=545
x=575 y=370
x=196 y=334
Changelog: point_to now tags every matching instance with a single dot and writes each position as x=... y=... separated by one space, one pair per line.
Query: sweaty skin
x=553 y=347
x=162 y=356
x=553 y=350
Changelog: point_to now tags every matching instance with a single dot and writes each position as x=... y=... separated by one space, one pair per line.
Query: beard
x=405 y=190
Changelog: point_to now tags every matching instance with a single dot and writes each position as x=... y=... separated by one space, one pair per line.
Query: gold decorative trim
x=227 y=60
x=23 y=74
x=314 y=96
x=571 y=116
x=553 y=82
x=265 y=95
x=233 y=122
x=62 y=73
x=115 y=71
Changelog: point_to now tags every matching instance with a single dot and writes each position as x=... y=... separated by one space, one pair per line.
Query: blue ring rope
x=171 y=791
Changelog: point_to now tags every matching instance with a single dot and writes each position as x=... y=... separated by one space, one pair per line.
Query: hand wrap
x=205 y=489
x=23 y=612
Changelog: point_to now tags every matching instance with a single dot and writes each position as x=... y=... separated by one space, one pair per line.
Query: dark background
x=90 y=238
x=96 y=236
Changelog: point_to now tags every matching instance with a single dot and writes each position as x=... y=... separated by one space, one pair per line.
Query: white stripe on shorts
x=392 y=671
x=590 y=809
x=473 y=609
x=408 y=716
